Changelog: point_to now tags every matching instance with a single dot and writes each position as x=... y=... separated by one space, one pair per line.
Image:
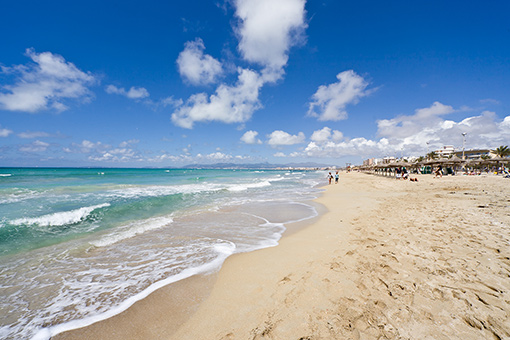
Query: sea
x=79 y=245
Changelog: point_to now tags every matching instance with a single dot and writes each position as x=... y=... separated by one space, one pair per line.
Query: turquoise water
x=79 y=245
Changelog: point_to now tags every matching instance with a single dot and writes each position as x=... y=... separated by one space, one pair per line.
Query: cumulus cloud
x=413 y=134
x=279 y=137
x=325 y=134
x=171 y=101
x=268 y=29
x=129 y=142
x=330 y=101
x=423 y=120
x=44 y=84
x=87 y=146
x=216 y=156
x=132 y=93
x=100 y=152
x=36 y=146
x=352 y=147
x=117 y=155
x=250 y=137
x=230 y=104
x=195 y=66
x=5 y=132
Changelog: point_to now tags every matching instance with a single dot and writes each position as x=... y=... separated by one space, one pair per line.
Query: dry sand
x=390 y=260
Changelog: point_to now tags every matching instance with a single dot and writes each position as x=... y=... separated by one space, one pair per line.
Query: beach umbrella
x=398 y=164
x=455 y=160
x=473 y=162
x=498 y=160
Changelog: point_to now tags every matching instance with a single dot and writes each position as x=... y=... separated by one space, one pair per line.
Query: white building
x=446 y=151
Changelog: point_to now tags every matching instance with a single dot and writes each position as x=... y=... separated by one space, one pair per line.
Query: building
x=446 y=151
x=387 y=160
x=474 y=153
x=372 y=161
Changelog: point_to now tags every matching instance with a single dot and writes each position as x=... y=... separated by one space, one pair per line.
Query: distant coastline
x=219 y=166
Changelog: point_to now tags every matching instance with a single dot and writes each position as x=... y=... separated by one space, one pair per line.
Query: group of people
x=336 y=177
x=402 y=173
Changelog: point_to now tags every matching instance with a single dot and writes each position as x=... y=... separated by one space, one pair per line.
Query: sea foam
x=223 y=251
x=60 y=218
x=243 y=187
x=131 y=230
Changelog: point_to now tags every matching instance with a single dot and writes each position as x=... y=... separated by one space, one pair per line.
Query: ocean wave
x=5 y=175
x=216 y=251
x=15 y=195
x=157 y=191
x=60 y=218
x=246 y=186
x=132 y=230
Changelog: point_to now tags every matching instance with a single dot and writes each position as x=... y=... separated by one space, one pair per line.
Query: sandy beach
x=390 y=259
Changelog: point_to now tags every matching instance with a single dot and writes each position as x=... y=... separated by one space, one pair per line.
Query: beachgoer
x=337 y=176
x=330 y=176
x=405 y=174
x=438 y=172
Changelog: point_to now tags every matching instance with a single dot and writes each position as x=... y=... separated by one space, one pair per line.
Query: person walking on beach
x=330 y=176
x=438 y=172
x=337 y=176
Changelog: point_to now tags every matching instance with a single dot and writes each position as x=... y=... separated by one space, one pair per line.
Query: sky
x=171 y=83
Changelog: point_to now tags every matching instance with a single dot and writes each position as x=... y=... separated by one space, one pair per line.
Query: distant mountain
x=254 y=166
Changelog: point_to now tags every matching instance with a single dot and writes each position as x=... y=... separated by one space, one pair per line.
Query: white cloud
x=353 y=147
x=329 y=102
x=100 y=152
x=36 y=146
x=230 y=104
x=171 y=158
x=132 y=93
x=218 y=156
x=214 y=157
x=490 y=101
x=409 y=135
x=44 y=84
x=87 y=146
x=129 y=142
x=278 y=137
x=5 y=132
x=325 y=134
x=280 y=154
x=250 y=137
x=505 y=124
x=170 y=101
x=268 y=29
x=197 y=68
x=436 y=109
x=33 y=134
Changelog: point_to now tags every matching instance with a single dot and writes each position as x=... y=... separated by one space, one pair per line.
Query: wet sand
x=389 y=260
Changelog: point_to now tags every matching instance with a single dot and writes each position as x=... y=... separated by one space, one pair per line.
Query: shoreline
x=389 y=259
x=180 y=299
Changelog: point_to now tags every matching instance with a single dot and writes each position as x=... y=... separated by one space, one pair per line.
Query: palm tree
x=432 y=155
x=420 y=159
x=501 y=151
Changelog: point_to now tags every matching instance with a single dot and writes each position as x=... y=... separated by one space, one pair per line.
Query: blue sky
x=169 y=83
